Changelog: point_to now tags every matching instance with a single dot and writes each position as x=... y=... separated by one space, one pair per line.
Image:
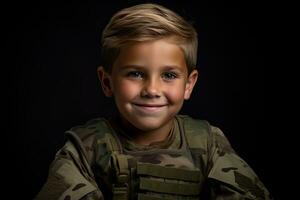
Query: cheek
x=126 y=90
x=175 y=94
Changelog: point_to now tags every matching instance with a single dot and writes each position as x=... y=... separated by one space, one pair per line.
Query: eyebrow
x=166 y=67
x=132 y=66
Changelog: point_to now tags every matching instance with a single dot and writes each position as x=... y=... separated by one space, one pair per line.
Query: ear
x=105 y=80
x=191 y=81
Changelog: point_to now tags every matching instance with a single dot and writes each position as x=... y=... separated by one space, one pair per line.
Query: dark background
x=53 y=83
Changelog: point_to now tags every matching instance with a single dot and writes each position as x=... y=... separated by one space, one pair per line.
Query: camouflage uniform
x=195 y=162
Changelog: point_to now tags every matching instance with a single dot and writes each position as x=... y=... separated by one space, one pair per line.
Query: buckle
x=122 y=178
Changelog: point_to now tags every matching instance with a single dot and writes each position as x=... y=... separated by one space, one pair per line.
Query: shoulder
x=69 y=176
x=85 y=137
x=200 y=134
x=94 y=134
x=199 y=130
x=191 y=123
x=87 y=131
x=196 y=126
x=70 y=173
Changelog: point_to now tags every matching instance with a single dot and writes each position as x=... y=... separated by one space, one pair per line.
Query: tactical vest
x=121 y=176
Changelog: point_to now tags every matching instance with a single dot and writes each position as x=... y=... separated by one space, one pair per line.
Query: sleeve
x=229 y=176
x=68 y=178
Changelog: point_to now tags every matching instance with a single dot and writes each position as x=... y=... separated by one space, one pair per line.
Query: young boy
x=149 y=152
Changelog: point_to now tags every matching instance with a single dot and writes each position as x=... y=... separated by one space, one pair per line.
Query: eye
x=135 y=74
x=169 y=75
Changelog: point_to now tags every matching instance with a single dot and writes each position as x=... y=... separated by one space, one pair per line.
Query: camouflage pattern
x=196 y=162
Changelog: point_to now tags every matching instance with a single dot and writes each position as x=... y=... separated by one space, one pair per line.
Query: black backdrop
x=54 y=84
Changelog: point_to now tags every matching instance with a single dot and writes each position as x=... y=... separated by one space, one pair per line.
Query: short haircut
x=147 y=22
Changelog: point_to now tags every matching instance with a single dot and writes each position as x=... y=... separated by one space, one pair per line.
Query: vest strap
x=121 y=189
x=193 y=129
x=149 y=197
x=120 y=192
x=160 y=186
x=142 y=196
x=168 y=172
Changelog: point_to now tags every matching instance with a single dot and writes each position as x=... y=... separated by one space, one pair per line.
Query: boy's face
x=149 y=82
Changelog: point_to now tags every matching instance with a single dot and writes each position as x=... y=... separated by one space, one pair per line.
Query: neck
x=147 y=137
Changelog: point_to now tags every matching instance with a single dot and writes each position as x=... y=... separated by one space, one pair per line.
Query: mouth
x=150 y=107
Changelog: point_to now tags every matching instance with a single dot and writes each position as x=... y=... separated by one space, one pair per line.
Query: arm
x=230 y=177
x=68 y=177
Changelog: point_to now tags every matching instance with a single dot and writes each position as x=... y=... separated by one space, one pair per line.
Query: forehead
x=151 y=54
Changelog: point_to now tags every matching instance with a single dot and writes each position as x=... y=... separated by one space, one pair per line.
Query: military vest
x=123 y=175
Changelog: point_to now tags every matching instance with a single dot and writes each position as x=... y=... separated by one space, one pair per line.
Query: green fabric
x=142 y=196
x=149 y=197
x=169 y=188
x=120 y=193
x=151 y=174
x=167 y=172
x=194 y=131
x=122 y=168
x=120 y=190
x=173 y=141
x=105 y=130
x=67 y=178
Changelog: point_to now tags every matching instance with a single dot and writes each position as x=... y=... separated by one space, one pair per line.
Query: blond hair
x=147 y=22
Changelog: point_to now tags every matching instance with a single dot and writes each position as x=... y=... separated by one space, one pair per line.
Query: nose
x=151 y=89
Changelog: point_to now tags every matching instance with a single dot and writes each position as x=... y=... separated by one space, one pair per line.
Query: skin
x=149 y=82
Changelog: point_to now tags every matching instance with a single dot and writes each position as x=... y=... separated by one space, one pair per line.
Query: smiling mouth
x=150 y=107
